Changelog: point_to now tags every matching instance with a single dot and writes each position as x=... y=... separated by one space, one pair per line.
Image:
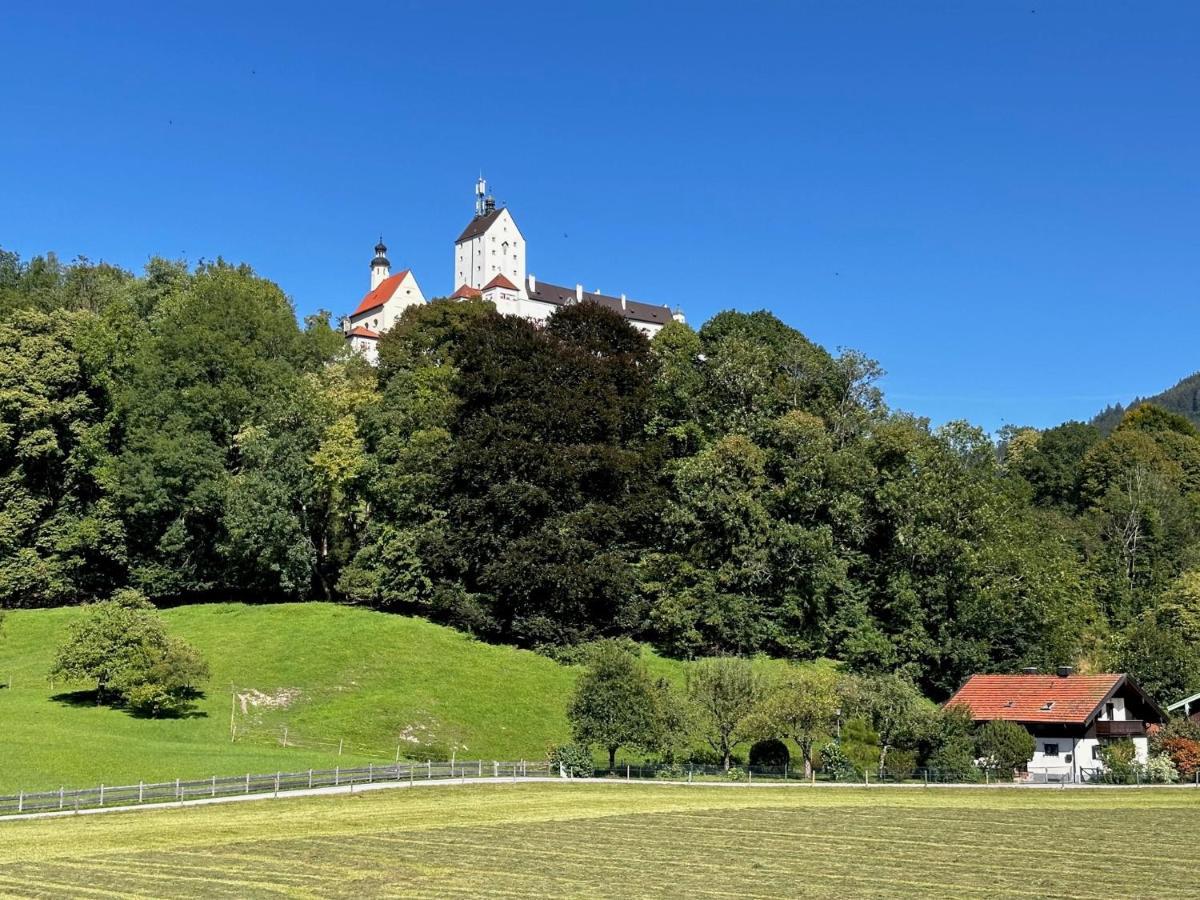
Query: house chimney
x=578 y=293
x=1065 y=671
x=622 y=301
x=1029 y=670
x=532 y=285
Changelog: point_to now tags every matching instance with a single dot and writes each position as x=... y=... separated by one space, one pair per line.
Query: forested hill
x=735 y=489
x=1183 y=398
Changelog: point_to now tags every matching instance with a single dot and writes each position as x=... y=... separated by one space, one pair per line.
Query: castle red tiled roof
x=360 y=331
x=1070 y=699
x=466 y=293
x=500 y=282
x=381 y=294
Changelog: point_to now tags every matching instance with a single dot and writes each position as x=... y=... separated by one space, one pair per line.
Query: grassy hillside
x=327 y=673
x=621 y=841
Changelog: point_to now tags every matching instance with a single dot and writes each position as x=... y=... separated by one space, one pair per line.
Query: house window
x=1109 y=710
x=1095 y=751
x=1050 y=749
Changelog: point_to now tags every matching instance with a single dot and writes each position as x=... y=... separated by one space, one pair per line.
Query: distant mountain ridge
x=1183 y=398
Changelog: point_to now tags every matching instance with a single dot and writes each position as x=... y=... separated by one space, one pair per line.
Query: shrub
x=1184 y=753
x=900 y=764
x=572 y=759
x=772 y=753
x=1161 y=770
x=1005 y=746
x=953 y=763
x=836 y=764
x=735 y=773
x=1120 y=767
x=1178 y=727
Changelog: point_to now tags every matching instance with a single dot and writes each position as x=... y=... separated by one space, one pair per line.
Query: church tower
x=380 y=267
x=490 y=247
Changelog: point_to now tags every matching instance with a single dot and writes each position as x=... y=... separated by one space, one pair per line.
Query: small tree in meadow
x=121 y=646
x=723 y=693
x=1002 y=745
x=617 y=703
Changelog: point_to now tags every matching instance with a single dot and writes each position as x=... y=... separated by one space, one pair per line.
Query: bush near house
x=1004 y=746
x=1180 y=740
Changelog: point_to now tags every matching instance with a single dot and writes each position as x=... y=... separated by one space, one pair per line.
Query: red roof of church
x=1036 y=698
x=381 y=294
x=359 y=331
x=466 y=293
x=500 y=282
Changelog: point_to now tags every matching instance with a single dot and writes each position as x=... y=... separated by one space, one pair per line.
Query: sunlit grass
x=584 y=840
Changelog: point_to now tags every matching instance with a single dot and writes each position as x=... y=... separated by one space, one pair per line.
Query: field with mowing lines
x=641 y=840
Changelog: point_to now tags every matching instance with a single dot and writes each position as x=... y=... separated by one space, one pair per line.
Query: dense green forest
x=1182 y=398
x=732 y=490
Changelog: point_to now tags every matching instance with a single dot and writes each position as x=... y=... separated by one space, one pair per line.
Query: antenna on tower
x=480 y=195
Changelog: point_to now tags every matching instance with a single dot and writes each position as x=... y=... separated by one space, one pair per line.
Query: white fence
x=270 y=783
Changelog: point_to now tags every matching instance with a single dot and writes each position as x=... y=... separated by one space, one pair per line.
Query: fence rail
x=181 y=790
x=270 y=783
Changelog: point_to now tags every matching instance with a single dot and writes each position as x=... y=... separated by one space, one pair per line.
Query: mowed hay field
x=579 y=840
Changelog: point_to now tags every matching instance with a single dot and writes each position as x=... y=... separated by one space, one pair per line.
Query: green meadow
x=580 y=840
x=372 y=682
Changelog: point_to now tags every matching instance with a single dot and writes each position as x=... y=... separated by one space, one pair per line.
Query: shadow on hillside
x=80 y=699
x=77 y=698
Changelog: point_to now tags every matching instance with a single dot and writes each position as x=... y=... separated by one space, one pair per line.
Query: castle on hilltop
x=489 y=264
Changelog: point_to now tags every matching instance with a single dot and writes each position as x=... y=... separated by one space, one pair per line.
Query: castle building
x=379 y=309
x=489 y=264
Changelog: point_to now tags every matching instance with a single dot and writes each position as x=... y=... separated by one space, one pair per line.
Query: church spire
x=380 y=267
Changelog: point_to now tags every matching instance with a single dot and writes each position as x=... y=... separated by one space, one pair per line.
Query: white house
x=1070 y=716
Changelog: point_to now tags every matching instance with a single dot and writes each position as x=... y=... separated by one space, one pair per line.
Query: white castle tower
x=490 y=247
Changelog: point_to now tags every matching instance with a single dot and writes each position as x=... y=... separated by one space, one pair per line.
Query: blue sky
x=999 y=201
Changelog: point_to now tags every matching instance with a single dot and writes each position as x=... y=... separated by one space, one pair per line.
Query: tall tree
x=616 y=702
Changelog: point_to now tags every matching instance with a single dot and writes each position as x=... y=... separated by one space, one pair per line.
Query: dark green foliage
x=550 y=483
x=770 y=752
x=1005 y=746
x=1160 y=659
x=1183 y=399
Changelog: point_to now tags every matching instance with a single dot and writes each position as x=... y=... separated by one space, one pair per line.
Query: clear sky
x=1000 y=201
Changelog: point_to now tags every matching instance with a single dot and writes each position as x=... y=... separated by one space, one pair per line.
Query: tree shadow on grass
x=77 y=699
x=85 y=698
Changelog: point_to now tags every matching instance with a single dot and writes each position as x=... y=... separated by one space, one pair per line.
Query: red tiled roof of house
x=360 y=331
x=381 y=294
x=1070 y=699
x=500 y=282
x=466 y=293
